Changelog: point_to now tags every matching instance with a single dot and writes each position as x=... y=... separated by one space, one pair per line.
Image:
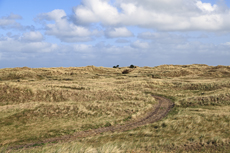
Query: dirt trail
x=158 y=112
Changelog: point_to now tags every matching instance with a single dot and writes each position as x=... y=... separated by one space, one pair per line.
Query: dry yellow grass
x=49 y=102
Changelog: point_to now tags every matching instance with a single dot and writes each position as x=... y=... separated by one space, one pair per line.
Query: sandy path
x=158 y=112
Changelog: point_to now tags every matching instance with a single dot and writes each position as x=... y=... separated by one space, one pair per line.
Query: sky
x=75 y=33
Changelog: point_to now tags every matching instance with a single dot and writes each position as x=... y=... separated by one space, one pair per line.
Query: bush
x=126 y=71
x=116 y=66
x=132 y=66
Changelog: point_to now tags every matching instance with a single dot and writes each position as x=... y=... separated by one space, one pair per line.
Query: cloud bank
x=165 y=15
x=124 y=32
x=63 y=29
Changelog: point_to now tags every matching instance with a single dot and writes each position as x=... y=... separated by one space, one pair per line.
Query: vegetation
x=132 y=66
x=41 y=103
x=116 y=66
x=126 y=71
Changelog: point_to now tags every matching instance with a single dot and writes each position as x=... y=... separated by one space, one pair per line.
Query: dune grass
x=41 y=103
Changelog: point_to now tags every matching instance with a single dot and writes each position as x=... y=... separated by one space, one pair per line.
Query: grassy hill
x=41 y=103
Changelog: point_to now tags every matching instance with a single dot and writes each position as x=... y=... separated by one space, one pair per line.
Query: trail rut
x=158 y=112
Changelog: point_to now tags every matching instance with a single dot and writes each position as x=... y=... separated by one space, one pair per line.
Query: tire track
x=160 y=111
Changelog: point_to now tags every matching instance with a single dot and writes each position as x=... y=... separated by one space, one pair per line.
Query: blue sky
x=105 y=33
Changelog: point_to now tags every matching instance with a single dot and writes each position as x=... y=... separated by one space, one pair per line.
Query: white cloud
x=138 y=52
x=118 y=32
x=64 y=30
x=139 y=44
x=168 y=15
x=12 y=45
x=97 y=11
x=122 y=41
x=55 y=15
x=227 y=43
x=206 y=6
x=9 y=21
x=163 y=37
x=150 y=35
x=33 y=36
x=13 y=16
x=82 y=48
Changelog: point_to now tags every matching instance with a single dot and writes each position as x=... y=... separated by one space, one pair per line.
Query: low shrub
x=132 y=66
x=116 y=66
x=126 y=71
